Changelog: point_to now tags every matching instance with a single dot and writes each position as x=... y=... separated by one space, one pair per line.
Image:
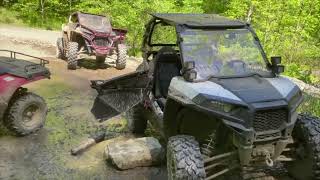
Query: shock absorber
x=207 y=148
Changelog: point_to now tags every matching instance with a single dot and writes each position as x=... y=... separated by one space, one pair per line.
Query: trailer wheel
x=59 y=49
x=306 y=134
x=121 y=56
x=26 y=114
x=72 y=55
x=184 y=159
x=137 y=123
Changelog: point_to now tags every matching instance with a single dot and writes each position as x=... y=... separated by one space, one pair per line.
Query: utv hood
x=242 y=91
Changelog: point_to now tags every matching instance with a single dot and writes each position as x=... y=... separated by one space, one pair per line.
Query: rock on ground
x=133 y=153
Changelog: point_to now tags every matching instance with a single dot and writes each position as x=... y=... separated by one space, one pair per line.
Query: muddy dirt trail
x=46 y=154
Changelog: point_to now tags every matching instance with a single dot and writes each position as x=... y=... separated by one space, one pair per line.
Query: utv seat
x=167 y=65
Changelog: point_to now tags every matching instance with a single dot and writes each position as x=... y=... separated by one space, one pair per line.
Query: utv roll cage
x=192 y=21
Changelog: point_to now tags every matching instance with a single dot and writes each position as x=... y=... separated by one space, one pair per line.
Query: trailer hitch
x=269 y=160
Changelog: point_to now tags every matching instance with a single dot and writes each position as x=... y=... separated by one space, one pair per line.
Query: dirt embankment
x=46 y=154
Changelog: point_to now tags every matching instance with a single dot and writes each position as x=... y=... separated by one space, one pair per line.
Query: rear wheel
x=184 y=159
x=59 y=49
x=137 y=123
x=306 y=136
x=26 y=114
x=72 y=55
x=121 y=56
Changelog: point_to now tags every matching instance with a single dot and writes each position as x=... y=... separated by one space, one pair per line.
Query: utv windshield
x=95 y=22
x=223 y=53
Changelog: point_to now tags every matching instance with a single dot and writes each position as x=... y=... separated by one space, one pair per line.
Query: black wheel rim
x=31 y=115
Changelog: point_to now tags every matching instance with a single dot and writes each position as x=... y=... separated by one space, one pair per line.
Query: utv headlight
x=225 y=107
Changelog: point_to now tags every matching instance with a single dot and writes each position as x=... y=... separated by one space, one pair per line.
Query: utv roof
x=199 y=20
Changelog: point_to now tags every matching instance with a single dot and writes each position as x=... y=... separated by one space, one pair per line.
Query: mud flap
x=113 y=103
x=118 y=95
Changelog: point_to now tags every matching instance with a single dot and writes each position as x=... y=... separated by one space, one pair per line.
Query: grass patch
x=9 y=17
x=310 y=105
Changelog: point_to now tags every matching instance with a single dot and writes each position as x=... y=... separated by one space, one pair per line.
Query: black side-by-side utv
x=217 y=100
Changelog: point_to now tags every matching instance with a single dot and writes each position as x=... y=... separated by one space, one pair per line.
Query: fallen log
x=307 y=88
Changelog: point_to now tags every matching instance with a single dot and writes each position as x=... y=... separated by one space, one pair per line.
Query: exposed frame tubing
x=220 y=156
x=221 y=172
x=215 y=165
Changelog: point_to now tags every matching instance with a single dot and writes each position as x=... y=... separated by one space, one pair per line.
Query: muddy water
x=46 y=154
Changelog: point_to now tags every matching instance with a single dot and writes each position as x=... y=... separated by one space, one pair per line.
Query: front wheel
x=26 y=114
x=121 y=56
x=184 y=159
x=306 y=135
x=72 y=55
x=60 y=49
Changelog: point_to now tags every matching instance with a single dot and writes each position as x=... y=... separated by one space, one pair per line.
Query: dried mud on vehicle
x=92 y=35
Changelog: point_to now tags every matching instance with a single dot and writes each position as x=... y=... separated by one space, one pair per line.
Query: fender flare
x=9 y=86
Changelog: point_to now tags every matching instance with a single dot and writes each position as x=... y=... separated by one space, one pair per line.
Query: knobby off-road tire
x=306 y=135
x=26 y=114
x=72 y=55
x=184 y=159
x=121 y=56
x=65 y=41
x=137 y=123
x=60 y=49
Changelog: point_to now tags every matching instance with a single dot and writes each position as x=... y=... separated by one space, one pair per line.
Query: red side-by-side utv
x=21 y=111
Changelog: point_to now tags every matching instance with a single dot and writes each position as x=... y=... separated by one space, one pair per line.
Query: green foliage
x=302 y=72
x=310 y=105
x=9 y=17
x=288 y=28
x=131 y=15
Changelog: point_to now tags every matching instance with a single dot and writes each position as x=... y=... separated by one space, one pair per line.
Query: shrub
x=301 y=72
x=9 y=17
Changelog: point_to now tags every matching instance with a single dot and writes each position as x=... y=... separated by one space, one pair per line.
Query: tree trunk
x=70 y=5
x=42 y=2
x=249 y=14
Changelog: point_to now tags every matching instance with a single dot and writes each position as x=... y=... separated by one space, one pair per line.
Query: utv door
x=118 y=94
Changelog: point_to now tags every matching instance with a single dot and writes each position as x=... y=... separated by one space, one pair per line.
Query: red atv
x=22 y=112
x=90 y=34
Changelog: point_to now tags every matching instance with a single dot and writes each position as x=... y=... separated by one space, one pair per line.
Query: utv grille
x=101 y=42
x=268 y=136
x=269 y=119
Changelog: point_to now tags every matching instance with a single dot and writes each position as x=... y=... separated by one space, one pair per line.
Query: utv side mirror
x=278 y=69
x=275 y=60
x=190 y=75
x=275 y=63
x=189 y=65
